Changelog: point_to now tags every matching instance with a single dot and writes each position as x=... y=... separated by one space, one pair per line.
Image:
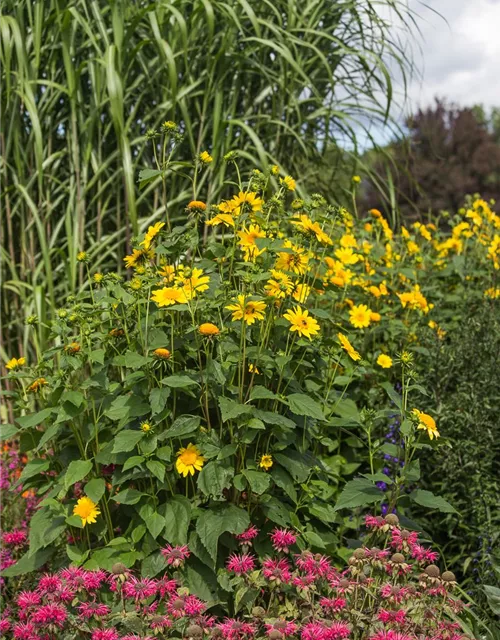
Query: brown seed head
x=432 y=571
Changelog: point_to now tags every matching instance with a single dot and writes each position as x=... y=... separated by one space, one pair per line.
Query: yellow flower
x=167 y=296
x=248 y=243
x=138 y=256
x=189 y=460
x=384 y=361
x=375 y=213
x=336 y=273
x=294 y=260
x=167 y=271
x=252 y=368
x=191 y=281
x=275 y=169
x=356 y=179
x=301 y=293
x=289 y=183
x=208 y=329
x=72 y=347
x=221 y=218
x=375 y=317
x=247 y=310
x=205 y=157
x=87 y=510
x=15 y=363
x=249 y=198
x=37 y=384
x=280 y=285
x=310 y=228
x=346 y=255
x=196 y=205
x=151 y=233
x=347 y=346
x=427 y=423
x=360 y=316
x=301 y=322
x=163 y=354
x=146 y=427
x=348 y=240
x=266 y=462
x=414 y=299
x=98 y=278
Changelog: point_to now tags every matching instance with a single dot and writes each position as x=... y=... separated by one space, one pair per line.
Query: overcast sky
x=460 y=57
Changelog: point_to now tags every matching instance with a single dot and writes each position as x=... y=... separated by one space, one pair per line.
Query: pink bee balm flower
x=240 y=563
x=313 y=631
x=235 y=629
x=49 y=583
x=193 y=606
x=394 y=592
x=105 y=634
x=175 y=556
x=277 y=570
x=337 y=631
x=166 y=585
x=303 y=582
x=284 y=627
x=392 y=616
x=27 y=599
x=421 y=554
x=4 y=625
x=53 y=614
x=248 y=535
x=161 y=622
x=282 y=539
x=333 y=604
x=14 y=538
x=403 y=539
x=374 y=522
x=24 y=631
x=135 y=589
x=314 y=564
x=89 y=609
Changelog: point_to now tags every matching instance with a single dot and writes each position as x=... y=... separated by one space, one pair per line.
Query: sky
x=460 y=52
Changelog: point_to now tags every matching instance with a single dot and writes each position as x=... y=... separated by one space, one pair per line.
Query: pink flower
x=248 y=535
x=135 y=589
x=403 y=539
x=303 y=582
x=240 y=563
x=193 y=606
x=313 y=631
x=4 y=625
x=314 y=564
x=175 y=556
x=166 y=585
x=49 y=583
x=105 y=634
x=277 y=570
x=54 y=614
x=282 y=539
x=24 y=631
x=27 y=599
x=89 y=609
x=65 y=594
x=374 y=522
x=284 y=627
x=392 y=616
x=394 y=592
x=422 y=554
x=161 y=622
x=180 y=606
x=337 y=631
x=235 y=629
x=14 y=538
x=333 y=604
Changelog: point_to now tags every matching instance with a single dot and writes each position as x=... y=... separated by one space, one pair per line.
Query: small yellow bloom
x=346 y=255
x=205 y=157
x=221 y=218
x=360 y=316
x=138 y=257
x=375 y=317
x=384 y=361
x=146 y=427
x=98 y=278
x=37 y=384
x=280 y=285
x=167 y=296
x=427 y=423
x=294 y=260
x=208 y=329
x=72 y=347
x=252 y=368
x=247 y=310
x=301 y=293
x=161 y=353
x=191 y=281
x=189 y=460
x=196 y=205
x=266 y=461
x=87 y=510
x=275 y=169
x=151 y=233
x=356 y=179
x=347 y=346
x=289 y=183
x=82 y=256
x=15 y=363
x=302 y=322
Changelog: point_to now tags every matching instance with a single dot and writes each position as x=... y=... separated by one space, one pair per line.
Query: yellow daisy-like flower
x=348 y=240
x=146 y=427
x=252 y=368
x=37 y=384
x=246 y=198
x=289 y=183
x=248 y=243
x=167 y=272
x=301 y=293
x=208 y=329
x=196 y=205
x=275 y=169
x=247 y=310
x=266 y=462
x=280 y=285
x=15 y=363
x=161 y=353
x=294 y=260
x=138 y=256
x=205 y=157
x=189 y=460
x=310 y=228
x=87 y=510
x=347 y=346
x=302 y=322
x=347 y=256
x=221 y=218
x=384 y=361
x=168 y=295
x=356 y=179
x=191 y=281
x=151 y=233
x=427 y=423
x=360 y=316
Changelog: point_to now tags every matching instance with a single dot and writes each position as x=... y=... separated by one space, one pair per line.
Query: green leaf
x=324 y=512
x=493 y=597
x=358 y=493
x=127 y=406
x=155 y=524
x=95 y=489
x=157 y=469
x=303 y=405
x=258 y=480
x=133 y=461
x=126 y=440
x=45 y=528
x=164 y=453
x=392 y=393
x=148 y=175
x=74 y=521
x=428 y=499
x=212 y=523
x=283 y=480
x=7 y=431
x=245 y=597
x=177 y=519
x=131 y=360
x=76 y=471
x=179 y=382
x=183 y=426
x=153 y=565
x=34 y=419
x=296 y=463
x=231 y=409
x=128 y=496
x=28 y=563
x=261 y=393
x=314 y=539
x=214 y=478
x=75 y=397
x=269 y=417
x=33 y=468
x=158 y=399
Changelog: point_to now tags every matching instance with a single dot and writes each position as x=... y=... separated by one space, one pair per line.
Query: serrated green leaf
x=358 y=493
x=303 y=405
x=76 y=471
x=126 y=440
x=428 y=499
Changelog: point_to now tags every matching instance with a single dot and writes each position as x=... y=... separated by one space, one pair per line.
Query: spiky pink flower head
x=139 y=589
x=149 y=609
x=205 y=622
x=24 y=631
x=314 y=564
x=176 y=556
x=15 y=538
x=161 y=622
x=193 y=606
x=283 y=626
x=232 y=629
x=403 y=539
x=303 y=582
x=377 y=555
x=105 y=634
x=242 y=563
x=181 y=605
x=50 y=614
x=421 y=554
x=247 y=536
x=313 y=631
x=333 y=605
x=49 y=583
x=394 y=593
x=337 y=631
x=89 y=609
x=166 y=586
x=4 y=625
x=387 y=617
x=374 y=522
x=27 y=599
x=341 y=584
x=277 y=571
x=282 y=539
